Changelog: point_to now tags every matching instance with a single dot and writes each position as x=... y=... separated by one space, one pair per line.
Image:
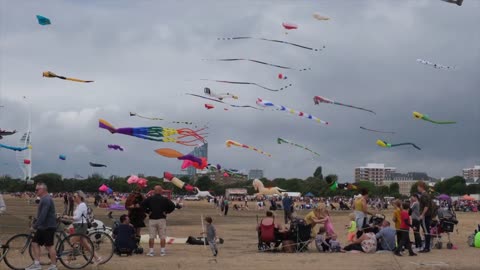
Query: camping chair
x=301 y=234
x=266 y=236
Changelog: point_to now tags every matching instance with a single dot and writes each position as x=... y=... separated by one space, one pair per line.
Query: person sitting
x=104 y=204
x=335 y=244
x=365 y=243
x=268 y=231
x=321 y=242
x=386 y=237
x=124 y=236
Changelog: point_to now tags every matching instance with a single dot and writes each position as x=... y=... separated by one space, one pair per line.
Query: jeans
x=416 y=233
x=404 y=242
x=288 y=215
x=426 y=230
x=354 y=247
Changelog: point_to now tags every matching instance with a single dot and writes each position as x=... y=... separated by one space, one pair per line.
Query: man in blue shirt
x=386 y=237
x=287 y=204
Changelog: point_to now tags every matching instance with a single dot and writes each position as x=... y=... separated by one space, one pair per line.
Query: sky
x=144 y=56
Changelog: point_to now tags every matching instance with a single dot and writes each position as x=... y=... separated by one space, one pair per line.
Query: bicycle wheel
x=16 y=252
x=44 y=255
x=75 y=251
x=103 y=246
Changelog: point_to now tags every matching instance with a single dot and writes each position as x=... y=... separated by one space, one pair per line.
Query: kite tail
x=106 y=125
x=443 y=122
x=412 y=144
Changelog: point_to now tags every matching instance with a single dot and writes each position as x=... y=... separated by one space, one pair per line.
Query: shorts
x=351 y=236
x=80 y=228
x=44 y=237
x=157 y=227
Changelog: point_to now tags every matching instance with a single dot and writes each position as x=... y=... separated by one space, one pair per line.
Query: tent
x=309 y=194
x=468 y=198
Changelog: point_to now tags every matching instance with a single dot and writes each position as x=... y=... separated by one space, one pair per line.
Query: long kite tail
x=412 y=144
x=354 y=107
x=106 y=125
x=74 y=80
x=443 y=122
x=256 y=61
x=378 y=131
x=249 y=83
x=274 y=40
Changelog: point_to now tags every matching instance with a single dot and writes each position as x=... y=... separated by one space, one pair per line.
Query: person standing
x=415 y=215
x=361 y=211
x=136 y=213
x=225 y=203
x=45 y=226
x=211 y=232
x=425 y=214
x=3 y=206
x=65 y=204
x=71 y=205
x=287 y=205
x=405 y=232
x=157 y=207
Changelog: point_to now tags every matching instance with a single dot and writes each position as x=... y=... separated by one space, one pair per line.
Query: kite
x=319 y=99
x=425 y=117
x=6 y=133
x=320 y=17
x=209 y=106
x=281 y=76
x=379 y=131
x=334 y=185
x=220 y=101
x=27 y=161
x=458 y=2
x=18 y=149
x=49 y=74
x=115 y=147
x=274 y=40
x=280 y=141
x=158 y=134
x=428 y=63
x=168 y=177
x=266 y=103
x=149 y=118
x=43 y=20
x=388 y=145
x=256 y=61
x=289 y=26
x=188 y=160
x=141 y=182
x=249 y=83
x=229 y=143
x=97 y=164
x=219 y=96
x=62 y=157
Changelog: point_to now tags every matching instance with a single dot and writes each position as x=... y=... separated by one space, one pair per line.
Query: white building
x=406 y=180
x=373 y=172
x=472 y=173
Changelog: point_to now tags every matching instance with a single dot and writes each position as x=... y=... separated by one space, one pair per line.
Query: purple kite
x=115 y=147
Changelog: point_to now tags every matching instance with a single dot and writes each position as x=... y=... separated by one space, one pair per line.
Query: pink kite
x=289 y=26
x=103 y=188
x=209 y=106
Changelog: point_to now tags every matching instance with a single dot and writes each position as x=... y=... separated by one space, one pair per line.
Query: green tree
x=204 y=183
x=318 y=173
x=394 y=188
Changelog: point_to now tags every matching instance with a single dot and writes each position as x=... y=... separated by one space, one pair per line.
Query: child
x=397 y=204
x=211 y=235
x=352 y=228
x=124 y=236
x=334 y=244
x=405 y=231
x=320 y=241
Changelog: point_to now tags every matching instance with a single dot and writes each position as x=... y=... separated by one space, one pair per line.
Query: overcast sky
x=145 y=55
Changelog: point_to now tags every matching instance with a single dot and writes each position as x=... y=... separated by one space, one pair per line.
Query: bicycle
x=103 y=243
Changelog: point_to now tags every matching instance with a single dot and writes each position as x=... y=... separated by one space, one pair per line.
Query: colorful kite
x=219 y=96
x=319 y=99
x=62 y=157
x=6 y=133
x=388 y=145
x=379 y=131
x=168 y=177
x=188 y=160
x=256 y=61
x=43 y=20
x=97 y=165
x=266 y=103
x=158 y=134
x=49 y=74
x=249 y=83
x=18 y=149
x=428 y=63
x=115 y=147
x=274 y=40
x=223 y=102
x=280 y=141
x=334 y=185
x=425 y=117
x=320 y=17
x=229 y=143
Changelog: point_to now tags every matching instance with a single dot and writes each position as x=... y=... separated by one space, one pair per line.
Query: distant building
x=255 y=174
x=200 y=151
x=472 y=173
x=407 y=180
x=373 y=172
x=220 y=178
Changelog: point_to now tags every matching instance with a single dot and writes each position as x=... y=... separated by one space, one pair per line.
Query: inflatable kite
x=289 y=26
x=262 y=190
x=229 y=143
x=388 y=145
x=281 y=76
x=209 y=106
x=188 y=160
x=220 y=101
x=18 y=149
x=334 y=185
x=320 y=17
x=97 y=165
x=319 y=99
x=27 y=161
x=140 y=182
x=49 y=74
x=458 y=2
x=158 y=134
x=62 y=157
x=255 y=61
x=428 y=63
x=249 y=83
x=425 y=117
x=219 y=96
x=280 y=141
x=378 y=131
x=103 y=188
x=6 y=133
x=274 y=40
x=168 y=177
x=115 y=147
x=266 y=103
x=43 y=20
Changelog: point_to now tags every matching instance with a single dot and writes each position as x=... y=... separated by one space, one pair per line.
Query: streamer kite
x=219 y=96
x=274 y=40
x=49 y=74
x=115 y=147
x=97 y=165
x=159 y=134
x=437 y=66
x=14 y=148
x=319 y=99
x=280 y=141
x=320 y=17
x=378 y=131
x=388 y=145
x=425 y=117
x=223 y=102
x=159 y=119
x=6 y=133
x=249 y=83
x=255 y=61
x=169 y=178
x=266 y=103
x=43 y=20
x=229 y=143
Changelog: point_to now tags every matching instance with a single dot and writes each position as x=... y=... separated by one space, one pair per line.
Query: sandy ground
x=240 y=248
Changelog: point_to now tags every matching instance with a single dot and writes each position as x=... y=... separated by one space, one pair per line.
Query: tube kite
x=219 y=96
x=319 y=99
x=319 y=17
x=14 y=148
x=388 y=145
x=49 y=74
x=428 y=63
x=97 y=165
x=425 y=117
x=256 y=61
x=274 y=40
x=289 y=26
x=43 y=20
x=115 y=147
x=378 y=131
x=6 y=133
x=458 y=2
x=266 y=103
x=280 y=141
x=229 y=143
x=168 y=177
x=158 y=134
x=249 y=83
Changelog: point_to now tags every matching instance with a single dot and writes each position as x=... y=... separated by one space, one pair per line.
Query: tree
x=413 y=189
x=394 y=188
x=318 y=173
x=204 y=183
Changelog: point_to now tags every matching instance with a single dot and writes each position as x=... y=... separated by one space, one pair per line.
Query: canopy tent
x=293 y=194
x=309 y=194
x=236 y=192
x=468 y=198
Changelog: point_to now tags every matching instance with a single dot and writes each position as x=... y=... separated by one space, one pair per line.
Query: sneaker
x=98 y=260
x=398 y=254
x=34 y=267
x=424 y=251
x=163 y=253
x=52 y=267
x=412 y=254
x=150 y=254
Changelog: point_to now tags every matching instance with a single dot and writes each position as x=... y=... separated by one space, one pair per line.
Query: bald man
x=157 y=207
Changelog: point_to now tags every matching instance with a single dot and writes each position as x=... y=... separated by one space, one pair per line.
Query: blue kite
x=15 y=148
x=43 y=20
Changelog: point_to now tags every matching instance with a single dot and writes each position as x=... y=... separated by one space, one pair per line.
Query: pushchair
x=300 y=234
x=446 y=222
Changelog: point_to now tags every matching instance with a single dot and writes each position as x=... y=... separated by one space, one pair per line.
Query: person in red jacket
x=405 y=231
